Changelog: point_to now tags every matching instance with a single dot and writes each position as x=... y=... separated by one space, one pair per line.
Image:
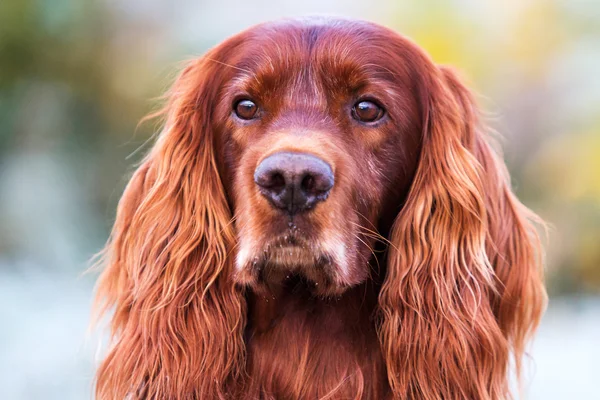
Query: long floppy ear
x=464 y=287
x=178 y=319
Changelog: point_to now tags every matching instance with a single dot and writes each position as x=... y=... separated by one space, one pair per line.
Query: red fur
x=418 y=278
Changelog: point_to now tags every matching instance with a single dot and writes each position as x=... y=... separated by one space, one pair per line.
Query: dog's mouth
x=292 y=261
x=292 y=252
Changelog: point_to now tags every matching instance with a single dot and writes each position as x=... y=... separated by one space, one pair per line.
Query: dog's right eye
x=245 y=109
x=367 y=111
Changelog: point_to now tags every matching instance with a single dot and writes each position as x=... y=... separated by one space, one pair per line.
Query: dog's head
x=293 y=149
x=320 y=131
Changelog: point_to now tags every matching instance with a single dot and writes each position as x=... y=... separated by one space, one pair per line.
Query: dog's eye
x=245 y=109
x=367 y=111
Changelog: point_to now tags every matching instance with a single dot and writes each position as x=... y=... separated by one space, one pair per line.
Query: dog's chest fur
x=300 y=347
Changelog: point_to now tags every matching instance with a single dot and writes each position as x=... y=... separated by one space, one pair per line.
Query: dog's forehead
x=338 y=51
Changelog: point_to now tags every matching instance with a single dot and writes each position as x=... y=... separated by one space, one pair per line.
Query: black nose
x=294 y=181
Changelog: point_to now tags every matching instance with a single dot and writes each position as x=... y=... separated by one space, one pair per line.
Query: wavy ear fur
x=178 y=320
x=464 y=287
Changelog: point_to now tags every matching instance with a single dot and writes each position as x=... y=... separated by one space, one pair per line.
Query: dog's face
x=320 y=133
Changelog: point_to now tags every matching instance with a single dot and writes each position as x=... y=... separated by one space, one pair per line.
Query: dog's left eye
x=367 y=111
x=245 y=109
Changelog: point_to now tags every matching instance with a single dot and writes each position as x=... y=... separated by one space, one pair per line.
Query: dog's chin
x=292 y=268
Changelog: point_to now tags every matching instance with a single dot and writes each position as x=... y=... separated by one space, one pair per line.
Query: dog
x=323 y=216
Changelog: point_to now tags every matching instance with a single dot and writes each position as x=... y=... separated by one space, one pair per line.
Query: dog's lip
x=290 y=249
x=289 y=246
x=288 y=240
x=290 y=254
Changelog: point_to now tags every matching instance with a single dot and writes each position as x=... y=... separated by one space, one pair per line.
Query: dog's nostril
x=277 y=181
x=308 y=183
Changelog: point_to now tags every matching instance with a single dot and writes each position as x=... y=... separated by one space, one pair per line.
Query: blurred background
x=76 y=77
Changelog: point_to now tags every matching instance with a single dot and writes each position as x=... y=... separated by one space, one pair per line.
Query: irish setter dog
x=322 y=217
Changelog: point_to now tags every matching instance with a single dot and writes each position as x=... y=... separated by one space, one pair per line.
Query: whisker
x=372 y=252
x=374 y=235
x=366 y=219
x=230 y=66
x=374 y=231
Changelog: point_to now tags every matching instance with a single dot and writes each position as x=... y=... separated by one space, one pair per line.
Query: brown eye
x=246 y=109
x=367 y=111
